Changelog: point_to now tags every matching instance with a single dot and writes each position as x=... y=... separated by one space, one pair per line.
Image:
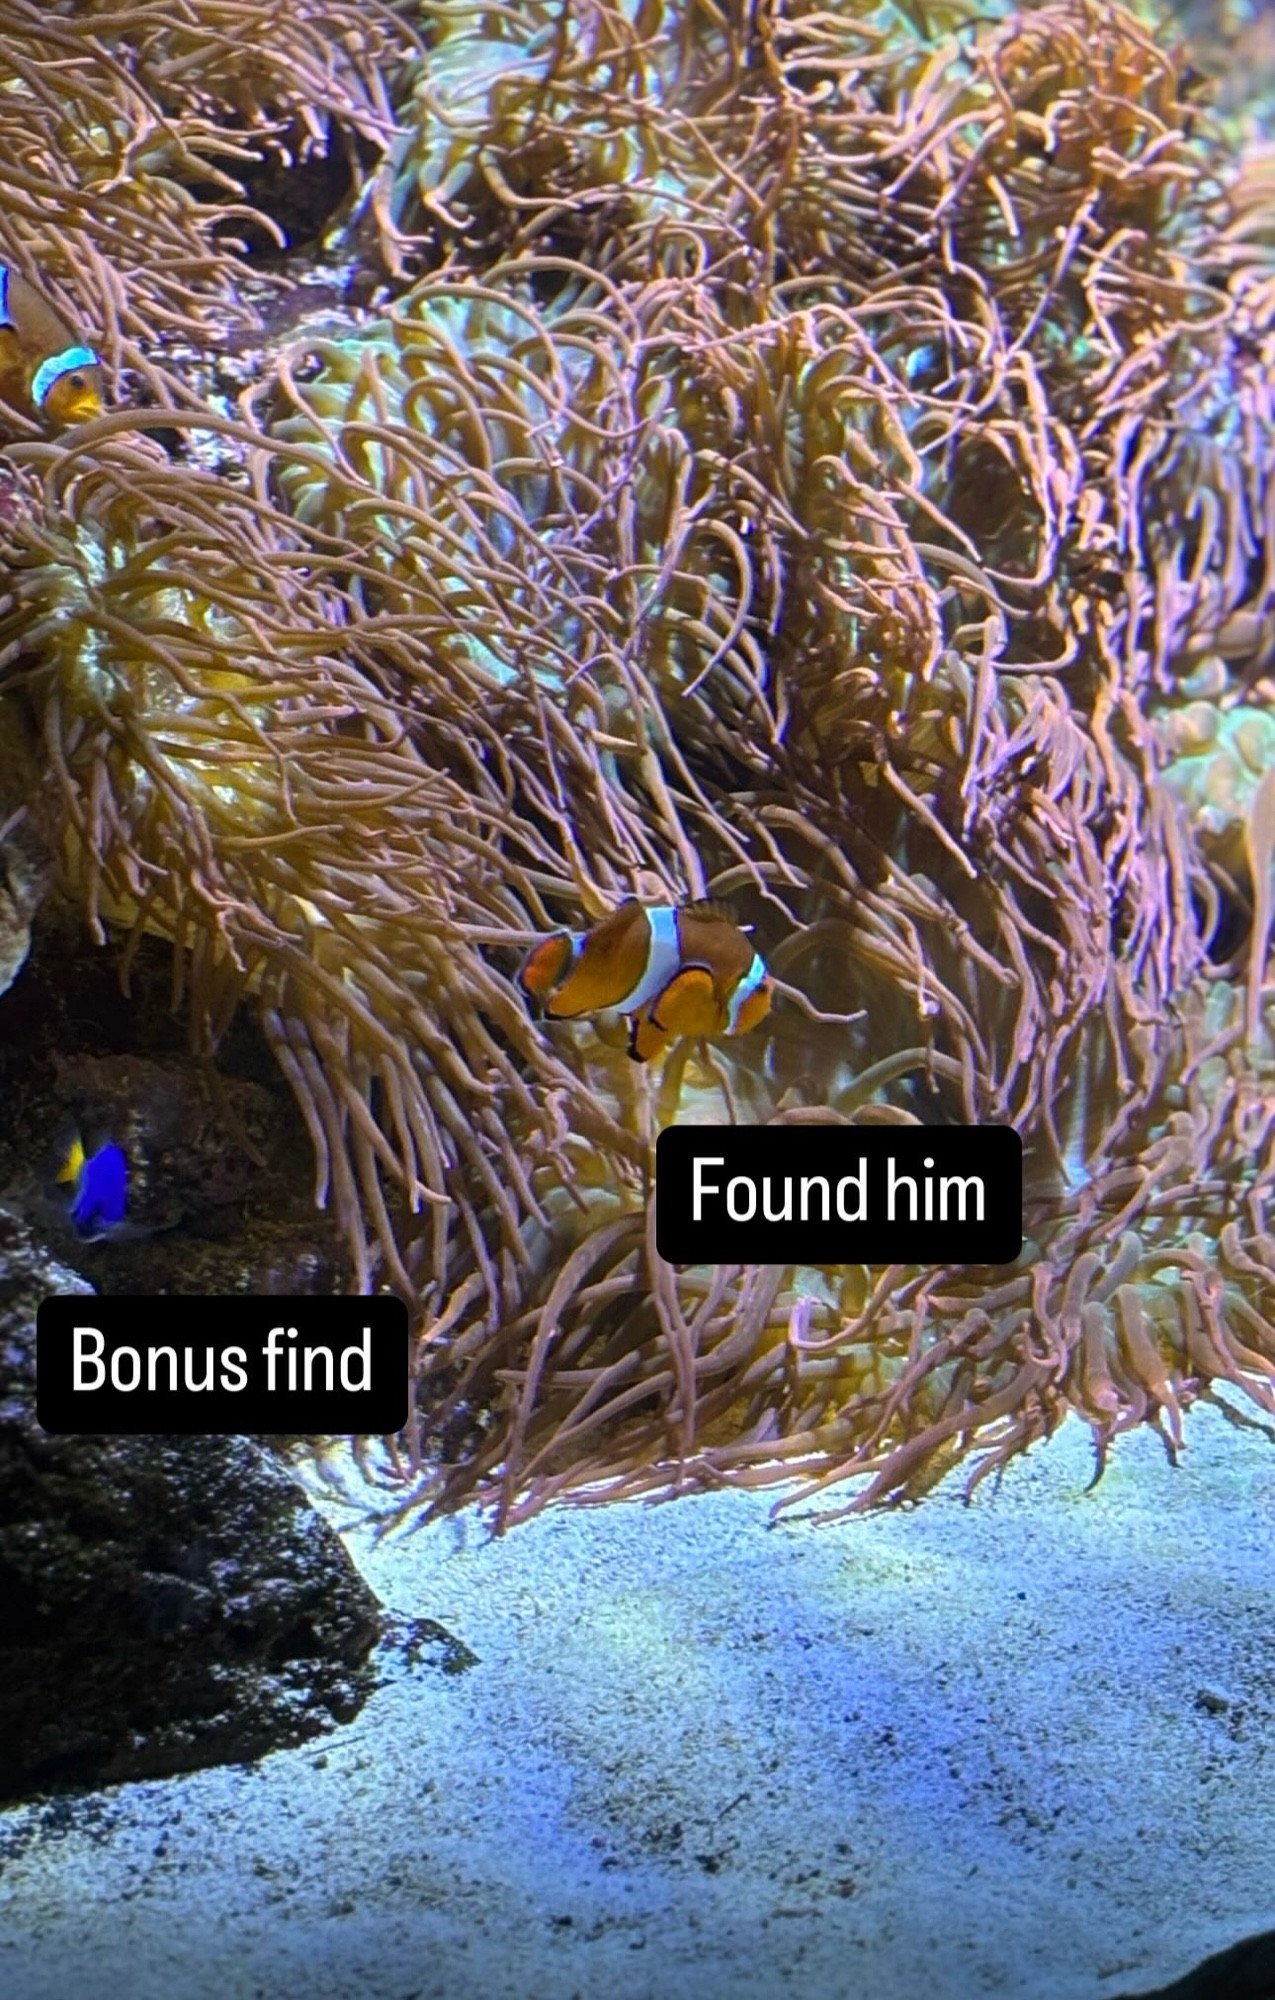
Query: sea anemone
x=135 y=145
x=837 y=491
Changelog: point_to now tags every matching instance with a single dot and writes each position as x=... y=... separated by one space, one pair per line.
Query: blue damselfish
x=100 y=1182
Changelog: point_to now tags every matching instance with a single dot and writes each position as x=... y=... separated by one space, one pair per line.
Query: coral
x=1217 y=759
x=832 y=469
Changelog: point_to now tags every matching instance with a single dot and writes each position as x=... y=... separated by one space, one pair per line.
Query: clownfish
x=43 y=367
x=680 y=971
x=100 y=1181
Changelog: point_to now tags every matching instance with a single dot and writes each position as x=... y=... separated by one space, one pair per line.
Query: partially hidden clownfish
x=44 y=369
x=679 y=971
x=99 y=1182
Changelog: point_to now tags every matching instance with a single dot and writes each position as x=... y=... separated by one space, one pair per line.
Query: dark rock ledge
x=165 y=1603
x=1244 y=1972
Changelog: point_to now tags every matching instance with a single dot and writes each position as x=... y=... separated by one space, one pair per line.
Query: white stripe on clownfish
x=748 y=985
x=663 y=958
x=56 y=367
x=45 y=367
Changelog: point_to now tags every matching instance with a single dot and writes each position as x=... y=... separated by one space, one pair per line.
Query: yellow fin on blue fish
x=100 y=1181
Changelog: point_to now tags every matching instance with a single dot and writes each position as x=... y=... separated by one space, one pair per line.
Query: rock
x=1245 y=1972
x=26 y=852
x=170 y=1602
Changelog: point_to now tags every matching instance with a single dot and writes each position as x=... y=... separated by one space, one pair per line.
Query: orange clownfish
x=684 y=971
x=43 y=367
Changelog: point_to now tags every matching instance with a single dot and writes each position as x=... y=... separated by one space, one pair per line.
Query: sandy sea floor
x=1022 y=1748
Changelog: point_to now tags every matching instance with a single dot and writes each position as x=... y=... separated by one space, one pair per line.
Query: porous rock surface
x=1245 y=1972
x=169 y=1602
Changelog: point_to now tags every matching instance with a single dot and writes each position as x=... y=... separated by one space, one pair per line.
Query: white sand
x=1025 y=1748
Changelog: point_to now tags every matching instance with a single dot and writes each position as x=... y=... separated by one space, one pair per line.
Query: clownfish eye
x=77 y=381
